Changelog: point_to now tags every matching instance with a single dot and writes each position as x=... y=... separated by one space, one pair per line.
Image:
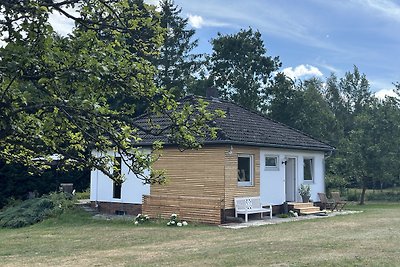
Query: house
x=252 y=156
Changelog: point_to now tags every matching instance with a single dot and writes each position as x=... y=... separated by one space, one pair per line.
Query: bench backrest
x=247 y=203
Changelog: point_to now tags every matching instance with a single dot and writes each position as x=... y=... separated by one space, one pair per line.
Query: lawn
x=371 y=238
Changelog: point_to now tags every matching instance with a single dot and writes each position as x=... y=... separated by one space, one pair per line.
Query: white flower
x=179 y=224
x=172 y=222
x=295 y=214
x=146 y=217
x=168 y=223
x=136 y=222
x=174 y=215
x=184 y=223
x=137 y=216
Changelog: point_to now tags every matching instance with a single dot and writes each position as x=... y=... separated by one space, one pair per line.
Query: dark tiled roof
x=242 y=126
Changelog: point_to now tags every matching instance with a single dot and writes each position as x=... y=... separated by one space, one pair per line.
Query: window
x=271 y=162
x=116 y=186
x=245 y=170
x=308 y=170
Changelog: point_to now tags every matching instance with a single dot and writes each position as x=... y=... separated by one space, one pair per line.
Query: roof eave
x=230 y=142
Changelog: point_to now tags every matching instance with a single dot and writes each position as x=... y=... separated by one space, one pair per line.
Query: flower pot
x=306 y=199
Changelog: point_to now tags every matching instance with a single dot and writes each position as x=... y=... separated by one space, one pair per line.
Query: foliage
x=17 y=183
x=174 y=221
x=35 y=210
x=85 y=194
x=141 y=219
x=175 y=64
x=335 y=182
x=240 y=68
x=305 y=190
x=70 y=96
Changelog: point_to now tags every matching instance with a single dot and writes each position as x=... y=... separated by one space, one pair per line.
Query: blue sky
x=311 y=37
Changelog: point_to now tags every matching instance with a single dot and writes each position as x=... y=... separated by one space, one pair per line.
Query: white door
x=290 y=179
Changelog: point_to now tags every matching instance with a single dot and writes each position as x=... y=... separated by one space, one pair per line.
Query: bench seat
x=250 y=205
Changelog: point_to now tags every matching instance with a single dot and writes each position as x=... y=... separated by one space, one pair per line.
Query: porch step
x=303 y=208
x=310 y=210
x=299 y=205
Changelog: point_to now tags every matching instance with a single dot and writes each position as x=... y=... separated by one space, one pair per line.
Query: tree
x=57 y=93
x=302 y=106
x=175 y=63
x=240 y=67
x=348 y=97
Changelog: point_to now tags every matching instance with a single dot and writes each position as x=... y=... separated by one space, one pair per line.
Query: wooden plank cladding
x=193 y=209
x=198 y=173
x=232 y=189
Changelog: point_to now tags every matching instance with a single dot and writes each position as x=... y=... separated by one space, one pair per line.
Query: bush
x=353 y=195
x=384 y=196
x=35 y=210
x=335 y=182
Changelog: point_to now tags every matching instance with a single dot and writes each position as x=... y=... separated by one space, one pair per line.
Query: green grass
x=371 y=238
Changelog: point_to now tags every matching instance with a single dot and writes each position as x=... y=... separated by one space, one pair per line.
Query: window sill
x=245 y=184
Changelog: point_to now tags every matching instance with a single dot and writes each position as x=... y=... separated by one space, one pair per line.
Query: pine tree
x=175 y=63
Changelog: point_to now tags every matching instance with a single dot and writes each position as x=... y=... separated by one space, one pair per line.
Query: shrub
x=174 y=221
x=141 y=218
x=35 y=210
x=384 y=196
x=353 y=195
x=335 y=182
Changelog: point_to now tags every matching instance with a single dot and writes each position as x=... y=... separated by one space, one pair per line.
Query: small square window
x=271 y=162
x=245 y=170
x=308 y=170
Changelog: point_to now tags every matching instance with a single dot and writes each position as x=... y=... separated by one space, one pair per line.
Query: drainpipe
x=97 y=189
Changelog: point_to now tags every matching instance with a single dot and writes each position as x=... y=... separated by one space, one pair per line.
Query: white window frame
x=251 y=182
x=311 y=169
x=271 y=168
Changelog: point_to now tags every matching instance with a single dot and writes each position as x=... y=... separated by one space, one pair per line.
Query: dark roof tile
x=242 y=126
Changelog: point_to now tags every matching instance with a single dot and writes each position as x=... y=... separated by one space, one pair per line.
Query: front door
x=290 y=179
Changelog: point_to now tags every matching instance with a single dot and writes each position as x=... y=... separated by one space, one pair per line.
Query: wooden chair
x=326 y=203
x=339 y=202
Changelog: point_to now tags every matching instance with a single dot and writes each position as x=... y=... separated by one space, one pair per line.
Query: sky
x=311 y=37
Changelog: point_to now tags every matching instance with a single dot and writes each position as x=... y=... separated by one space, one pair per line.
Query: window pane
x=244 y=169
x=271 y=161
x=118 y=171
x=308 y=172
x=116 y=190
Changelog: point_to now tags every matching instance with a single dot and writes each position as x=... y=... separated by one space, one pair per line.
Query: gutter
x=230 y=142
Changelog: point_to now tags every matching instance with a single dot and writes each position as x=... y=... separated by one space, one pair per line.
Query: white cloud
x=385 y=8
x=302 y=70
x=381 y=94
x=198 y=22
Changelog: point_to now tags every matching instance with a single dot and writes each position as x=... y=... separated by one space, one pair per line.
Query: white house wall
x=272 y=182
x=132 y=190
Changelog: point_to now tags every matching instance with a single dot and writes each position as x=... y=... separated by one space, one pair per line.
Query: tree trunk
x=362 y=198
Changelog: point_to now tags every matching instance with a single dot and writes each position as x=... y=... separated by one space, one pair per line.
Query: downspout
x=97 y=189
x=224 y=199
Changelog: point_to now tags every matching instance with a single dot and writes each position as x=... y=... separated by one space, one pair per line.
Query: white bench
x=250 y=205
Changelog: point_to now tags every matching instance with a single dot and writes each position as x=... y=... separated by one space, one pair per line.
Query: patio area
x=277 y=220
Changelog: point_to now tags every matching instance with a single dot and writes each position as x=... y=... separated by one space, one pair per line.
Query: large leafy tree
x=240 y=68
x=58 y=94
